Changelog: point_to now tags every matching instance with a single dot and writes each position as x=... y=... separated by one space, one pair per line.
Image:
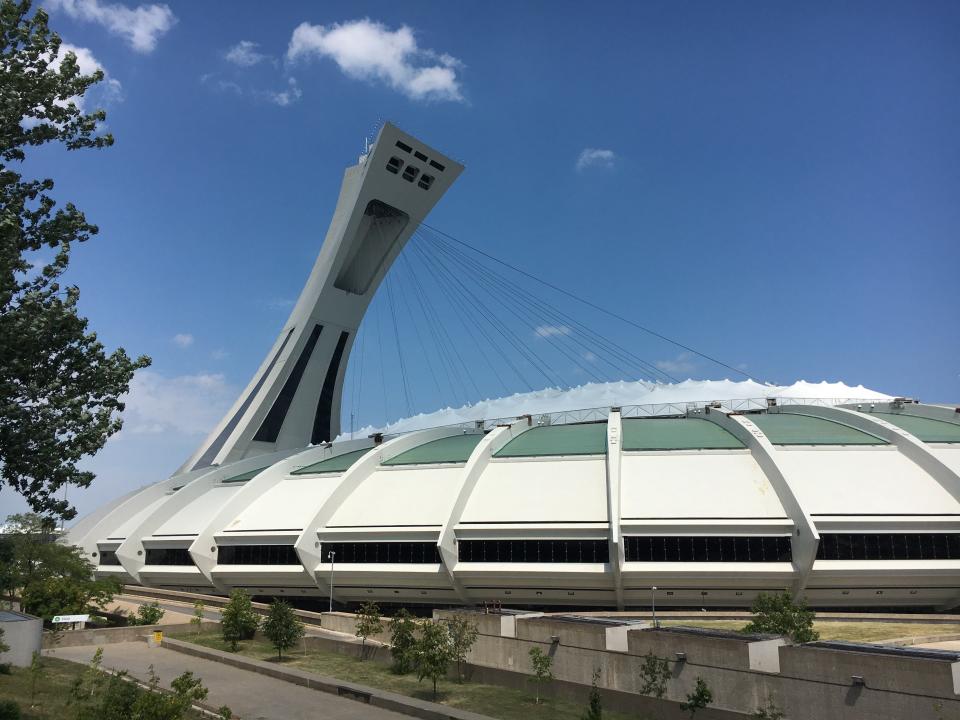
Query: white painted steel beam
x=615 y=542
x=805 y=539
x=476 y=464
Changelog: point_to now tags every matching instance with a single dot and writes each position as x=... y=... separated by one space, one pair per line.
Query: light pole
x=332 y=554
x=653 y=598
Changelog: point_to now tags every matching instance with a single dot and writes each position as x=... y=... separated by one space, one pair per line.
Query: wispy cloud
x=141 y=26
x=245 y=54
x=545 y=331
x=279 y=303
x=183 y=340
x=595 y=157
x=682 y=363
x=285 y=97
x=185 y=404
x=219 y=354
x=369 y=50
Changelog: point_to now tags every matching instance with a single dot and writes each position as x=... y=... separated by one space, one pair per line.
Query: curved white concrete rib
x=614 y=455
x=307 y=545
x=912 y=448
x=203 y=549
x=806 y=539
x=132 y=551
x=119 y=512
x=476 y=464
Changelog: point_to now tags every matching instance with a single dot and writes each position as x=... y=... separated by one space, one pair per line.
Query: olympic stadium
x=847 y=499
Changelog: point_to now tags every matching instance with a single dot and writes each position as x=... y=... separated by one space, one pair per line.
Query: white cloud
x=245 y=54
x=285 y=97
x=183 y=340
x=595 y=157
x=141 y=26
x=545 y=331
x=368 y=50
x=589 y=356
x=219 y=354
x=87 y=64
x=186 y=404
x=682 y=363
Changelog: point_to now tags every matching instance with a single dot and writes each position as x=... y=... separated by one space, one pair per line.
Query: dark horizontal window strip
x=109 y=557
x=257 y=555
x=169 y=556
x=534 y=551
x=699 y=548
x=889 y=546
x=381 y=552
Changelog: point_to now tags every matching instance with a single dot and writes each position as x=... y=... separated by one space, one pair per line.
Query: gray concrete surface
x=249 y=695
x=22 y=634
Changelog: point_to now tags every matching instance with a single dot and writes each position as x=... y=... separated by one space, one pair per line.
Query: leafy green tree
x=50 y=578
x=542 y=669
x=59 y=389
x=238 y=620
x=403 y=639
x=368 y=624
x=198 y=617
x=282 y=627
x=432 y=653
x=463 y=636
x=779 y=615
x=654 y=674
x=701 y=696
x=594 y=707
x=149 y=614
x=157 y=705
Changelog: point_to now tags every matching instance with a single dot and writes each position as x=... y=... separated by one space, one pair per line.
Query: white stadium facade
x=846 y=502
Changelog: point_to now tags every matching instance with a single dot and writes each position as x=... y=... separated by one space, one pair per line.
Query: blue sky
x=774 y=184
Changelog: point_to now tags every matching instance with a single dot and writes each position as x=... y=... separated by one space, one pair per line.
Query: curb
x=361 y=693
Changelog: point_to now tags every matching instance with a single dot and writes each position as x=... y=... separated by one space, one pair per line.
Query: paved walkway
x=953 y=645
x=249 y=695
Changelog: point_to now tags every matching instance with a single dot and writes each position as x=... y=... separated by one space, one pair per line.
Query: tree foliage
x=779 y=615
x=594 y=706
x=59 y=389
x=542 y=669
x=770 y=711
x=654 y=674
x=368 y=623
x=701 y=696
x=403 y=639
x=282 y=627
x=463 y=636
x=149 y=614
x=432 y=653
x=238 y=621
x=50 y=578
x=197 y=619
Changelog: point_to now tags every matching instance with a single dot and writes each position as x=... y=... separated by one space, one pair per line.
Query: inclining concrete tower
x=294 y=397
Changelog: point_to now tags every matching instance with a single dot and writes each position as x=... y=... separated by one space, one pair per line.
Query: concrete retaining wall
x=109 y=636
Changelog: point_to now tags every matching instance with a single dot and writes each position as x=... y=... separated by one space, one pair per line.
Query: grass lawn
x=53 y=689
x=853 y=631
x=490 y=700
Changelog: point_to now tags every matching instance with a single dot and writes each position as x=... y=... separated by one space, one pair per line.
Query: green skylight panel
x=926 y=429
x=676 y=434
x=791 y=429
x=336 y=464
x=243 y=477
x=552 y=440
x=454 y=449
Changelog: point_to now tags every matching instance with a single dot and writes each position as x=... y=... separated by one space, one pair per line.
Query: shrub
x=403 y=638
x=197 y=619
x=149 y=614
x=9 y=710
x=463 y=636
x=779 y=615
x=238 y=621
x=282 y=627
